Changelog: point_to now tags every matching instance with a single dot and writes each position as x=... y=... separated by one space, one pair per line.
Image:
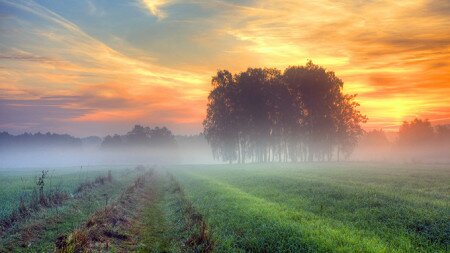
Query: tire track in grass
x=172 y=224
x=154 y=228
x=244 y=221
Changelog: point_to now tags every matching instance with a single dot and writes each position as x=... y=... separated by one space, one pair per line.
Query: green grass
x=170 y=222
x=156 y=231
x=15 y=184
x=347 y=207
x=49 y=223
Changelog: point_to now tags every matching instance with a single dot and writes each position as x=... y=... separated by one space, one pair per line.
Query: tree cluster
x=420 y=134
x=140 y=136
x=264 y=115
x=416 y=140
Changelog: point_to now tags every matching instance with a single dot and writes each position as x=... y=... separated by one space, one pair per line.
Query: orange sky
x=99 y=67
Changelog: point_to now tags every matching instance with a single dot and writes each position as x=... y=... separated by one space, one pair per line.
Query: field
x=39 y=230
x=322 y=207
x=316 y=207
x=20 y=183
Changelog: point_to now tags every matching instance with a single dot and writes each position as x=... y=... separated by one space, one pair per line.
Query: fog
x=158 y=146
x=142 y=145
x=63 y=156
x=397 y=154
x=66 y=156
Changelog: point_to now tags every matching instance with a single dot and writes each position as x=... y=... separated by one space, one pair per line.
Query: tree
x=253 y=97
x=161 y=137
x=138 y=136
x=375 y=138
x=348 y=123
x=220 y=125
x=263 y=115
x=142 y=137
x=112 y=141
x=318 y=95
x=418 y=132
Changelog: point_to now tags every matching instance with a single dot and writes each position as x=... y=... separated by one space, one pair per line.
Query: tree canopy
x=264 y=115
x=140 y=136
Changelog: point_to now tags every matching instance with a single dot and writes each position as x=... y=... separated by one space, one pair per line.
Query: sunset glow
x=99 y=65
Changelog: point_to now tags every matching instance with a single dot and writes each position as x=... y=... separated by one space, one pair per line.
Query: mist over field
x=415 y=142
x=43 y=153
x=373 y=146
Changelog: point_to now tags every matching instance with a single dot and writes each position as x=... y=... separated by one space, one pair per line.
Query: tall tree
x=348 y=125
x=220 y=125
x=317 y=94
x=262 y=115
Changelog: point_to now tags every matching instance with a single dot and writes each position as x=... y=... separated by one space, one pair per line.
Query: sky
x=90 y=67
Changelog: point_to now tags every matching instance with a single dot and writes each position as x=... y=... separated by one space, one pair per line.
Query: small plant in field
x=41 y=183
x=39 y=198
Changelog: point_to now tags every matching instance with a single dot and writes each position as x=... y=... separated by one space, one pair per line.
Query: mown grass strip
x=155 y=231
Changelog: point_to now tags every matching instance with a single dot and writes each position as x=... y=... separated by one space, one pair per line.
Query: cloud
x=89 y=79
x=25 y=57
x=155 y=7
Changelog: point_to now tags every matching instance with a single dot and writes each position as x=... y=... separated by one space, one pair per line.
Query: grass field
x=352 y=207
x=38 y=232
x=317 y=207
x=17 y=183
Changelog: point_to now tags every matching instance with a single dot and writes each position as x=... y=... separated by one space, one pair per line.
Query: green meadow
x=314 y=207
x=20 y=183
x=346 y=207
x=39 y=231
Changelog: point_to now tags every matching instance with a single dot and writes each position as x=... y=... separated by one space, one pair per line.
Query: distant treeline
x=264 y=115
x=416 y=140
x=140 y=136
x=38 y=139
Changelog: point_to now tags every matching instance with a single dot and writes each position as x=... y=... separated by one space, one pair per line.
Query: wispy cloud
x=155 y=7
x=98 y=80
